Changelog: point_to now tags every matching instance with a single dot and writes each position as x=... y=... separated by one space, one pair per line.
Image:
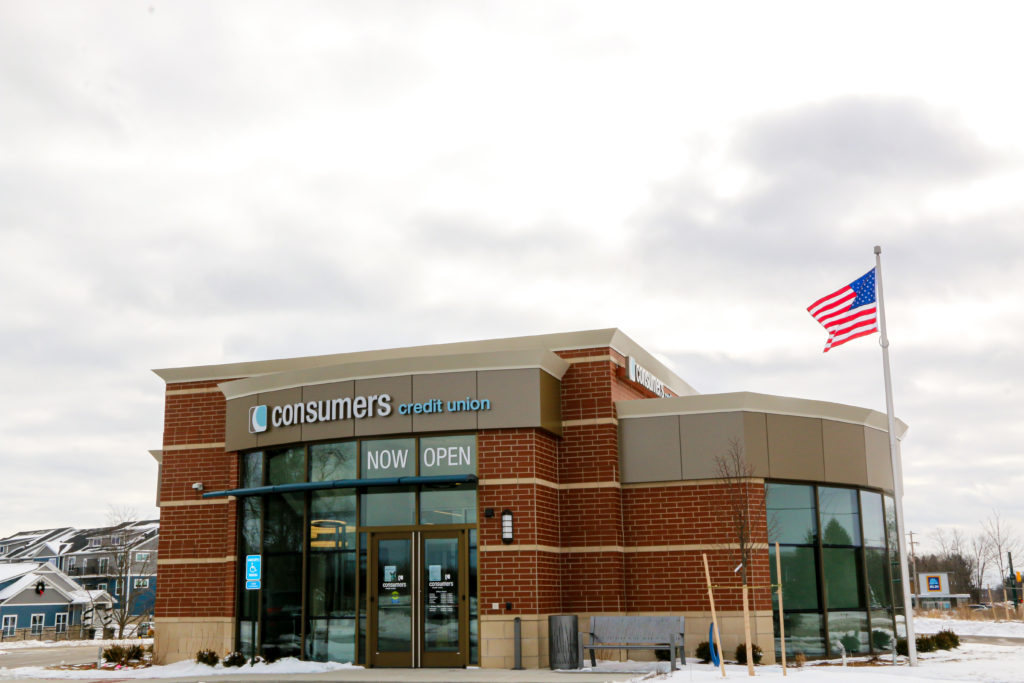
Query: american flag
x=849 y=312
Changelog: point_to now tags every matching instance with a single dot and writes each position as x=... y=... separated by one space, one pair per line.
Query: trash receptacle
x=564 y=641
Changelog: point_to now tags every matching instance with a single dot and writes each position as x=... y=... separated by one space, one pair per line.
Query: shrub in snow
x=117 y=654
x=881 y=640
x=208 y=657
x=755 y=652
x=703 y=652
x=235 y=658
x=799 y=659
x=946 y=640
x=926 y=643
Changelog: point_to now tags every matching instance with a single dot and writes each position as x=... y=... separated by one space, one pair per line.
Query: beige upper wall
x=782 y=438
x=472 y=355
x=522 y=397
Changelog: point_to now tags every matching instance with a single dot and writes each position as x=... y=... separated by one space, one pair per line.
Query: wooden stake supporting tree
x=746 y=632
x=714 y=617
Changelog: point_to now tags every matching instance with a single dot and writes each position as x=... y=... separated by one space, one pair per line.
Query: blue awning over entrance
x=344 y=484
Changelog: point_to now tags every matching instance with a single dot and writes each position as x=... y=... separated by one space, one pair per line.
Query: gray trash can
x=564 y=641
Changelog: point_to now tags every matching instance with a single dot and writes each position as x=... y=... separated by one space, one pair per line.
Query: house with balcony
x=118 y=560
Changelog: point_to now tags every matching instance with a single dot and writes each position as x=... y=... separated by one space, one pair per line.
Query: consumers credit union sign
x=264 y=417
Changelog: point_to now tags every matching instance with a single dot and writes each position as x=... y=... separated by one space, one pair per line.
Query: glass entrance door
x=417 y=597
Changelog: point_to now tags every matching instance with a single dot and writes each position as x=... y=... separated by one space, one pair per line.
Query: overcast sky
x=186 y=183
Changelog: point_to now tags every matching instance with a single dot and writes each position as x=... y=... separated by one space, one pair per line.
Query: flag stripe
x=849 y=312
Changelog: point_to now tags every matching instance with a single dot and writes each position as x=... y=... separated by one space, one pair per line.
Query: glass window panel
x=384 y=458
x=447 y=455
x=879 y=596
x=394 y=603
x=450 y=504
x=332 y=584
x=799 y=578
x=474 y=637
x=287 y=466
x=894 y=556
x=839 y=518
x=252 y=513
x=842 y=579
x=883 y=634
x=282 y=530
x=332 y=524
x=872 y=519
x=890 y=525
x=282 y=604
x=791 y=516
x=803 y=634
x=441 y=596
x=331 y=640
x=330 y=461
x=388 y=506
x=361 y=598
x=849 y=629
x=252 y=469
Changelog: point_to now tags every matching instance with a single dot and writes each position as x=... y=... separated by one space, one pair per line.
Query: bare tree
x=980 y=552
x=735 y=472
x=1002 y=539
x=130 y=568
x=953 y=556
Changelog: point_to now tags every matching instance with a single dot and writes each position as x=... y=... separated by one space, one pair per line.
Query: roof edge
x=745 y=401
x=501 y=360
x=559 y=341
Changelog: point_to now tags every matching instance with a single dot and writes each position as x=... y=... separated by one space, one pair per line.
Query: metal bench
x=635 y=633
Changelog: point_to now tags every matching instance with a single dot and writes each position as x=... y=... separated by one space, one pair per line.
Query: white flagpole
x=897 y=468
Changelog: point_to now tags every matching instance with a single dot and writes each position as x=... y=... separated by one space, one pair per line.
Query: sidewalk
x=402 y=676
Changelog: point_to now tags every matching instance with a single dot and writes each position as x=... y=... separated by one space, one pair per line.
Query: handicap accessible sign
x=253 y=572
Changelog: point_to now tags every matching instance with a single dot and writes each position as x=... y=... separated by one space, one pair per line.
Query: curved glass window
x=840 y=568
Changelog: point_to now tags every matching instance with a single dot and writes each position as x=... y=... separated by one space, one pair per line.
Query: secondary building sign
x=646 y=379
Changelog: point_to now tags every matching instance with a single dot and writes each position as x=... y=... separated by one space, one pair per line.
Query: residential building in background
x=118 y=561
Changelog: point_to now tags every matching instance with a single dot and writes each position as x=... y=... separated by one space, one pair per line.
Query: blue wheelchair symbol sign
x=253 y=567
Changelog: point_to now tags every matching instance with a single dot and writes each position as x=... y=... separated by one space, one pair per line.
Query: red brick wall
x=195 y=577
x=527 y=578
x=193 y=418
x=692 y=515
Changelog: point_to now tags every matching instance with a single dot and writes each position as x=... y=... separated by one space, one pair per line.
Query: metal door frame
x=417 y=658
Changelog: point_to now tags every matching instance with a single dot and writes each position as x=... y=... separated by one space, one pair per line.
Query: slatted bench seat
x=635 y=633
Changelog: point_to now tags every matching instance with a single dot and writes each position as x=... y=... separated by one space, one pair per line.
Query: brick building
x=403 y=507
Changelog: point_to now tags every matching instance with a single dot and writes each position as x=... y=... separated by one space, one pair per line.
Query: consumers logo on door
x=257 y=419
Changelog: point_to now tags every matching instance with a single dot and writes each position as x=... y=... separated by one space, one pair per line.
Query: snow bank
x=289 y=665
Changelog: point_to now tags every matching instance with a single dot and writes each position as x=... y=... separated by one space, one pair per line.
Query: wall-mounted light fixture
x=198 y=486
x=506 y=526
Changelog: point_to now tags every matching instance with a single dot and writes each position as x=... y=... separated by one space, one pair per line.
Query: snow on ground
x=964 y=627
x=969 y=662
x=289 y=665
x=23 y=644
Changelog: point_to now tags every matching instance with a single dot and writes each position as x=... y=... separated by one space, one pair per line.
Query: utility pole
x=1013 y=579
x=913 y=563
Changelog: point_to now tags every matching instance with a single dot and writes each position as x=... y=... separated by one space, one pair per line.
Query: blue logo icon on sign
x=933 y=583
x=253 y=567
x=257 y=419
